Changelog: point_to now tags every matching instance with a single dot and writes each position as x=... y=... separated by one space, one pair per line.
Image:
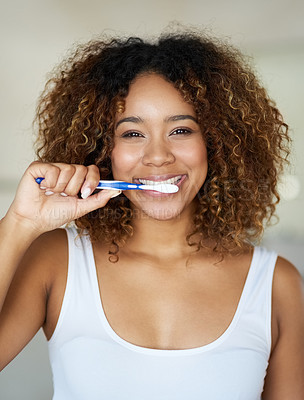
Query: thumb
x=84 y=206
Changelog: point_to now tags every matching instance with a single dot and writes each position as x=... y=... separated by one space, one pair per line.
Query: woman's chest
x=177 y=309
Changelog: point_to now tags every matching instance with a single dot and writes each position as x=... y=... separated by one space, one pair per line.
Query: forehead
x=153 y=93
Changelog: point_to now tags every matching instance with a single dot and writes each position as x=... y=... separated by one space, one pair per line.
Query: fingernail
x=42 y=187
x=48 y=192
x=116 y=194
x=63 y=194
x=86 y=193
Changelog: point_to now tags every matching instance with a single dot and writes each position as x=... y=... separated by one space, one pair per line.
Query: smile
x=172 y=181
x=158 y=180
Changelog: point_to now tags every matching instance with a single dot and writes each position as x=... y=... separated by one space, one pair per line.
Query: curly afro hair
x=246 y=137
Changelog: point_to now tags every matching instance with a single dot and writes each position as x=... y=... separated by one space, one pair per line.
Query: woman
x=154 y=296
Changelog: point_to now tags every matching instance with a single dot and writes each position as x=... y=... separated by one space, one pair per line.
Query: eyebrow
x=172 y=118
x=180 y=117
x=136 y=120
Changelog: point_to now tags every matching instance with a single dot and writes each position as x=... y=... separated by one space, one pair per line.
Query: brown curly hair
x=246 y=138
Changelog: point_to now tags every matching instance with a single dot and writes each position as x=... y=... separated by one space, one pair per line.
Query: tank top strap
x=261 y=271
x=81 y=262
x=79 y=246
x=258 y=291
x=78 y=311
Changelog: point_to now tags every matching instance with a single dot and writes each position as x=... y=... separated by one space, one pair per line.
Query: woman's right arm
x=23 y=253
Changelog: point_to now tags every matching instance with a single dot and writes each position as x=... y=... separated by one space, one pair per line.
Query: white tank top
x=91 y=362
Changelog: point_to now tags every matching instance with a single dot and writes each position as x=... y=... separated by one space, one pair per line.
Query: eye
x=131 y=134
x=181 y=131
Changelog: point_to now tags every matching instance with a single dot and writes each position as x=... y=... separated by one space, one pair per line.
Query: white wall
x=35 y=35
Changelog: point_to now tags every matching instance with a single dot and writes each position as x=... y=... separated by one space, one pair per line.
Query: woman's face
x=157 y=138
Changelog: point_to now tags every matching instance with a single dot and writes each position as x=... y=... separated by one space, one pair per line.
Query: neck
x=159 y=239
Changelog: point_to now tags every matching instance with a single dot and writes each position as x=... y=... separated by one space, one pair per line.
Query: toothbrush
x=120 y=185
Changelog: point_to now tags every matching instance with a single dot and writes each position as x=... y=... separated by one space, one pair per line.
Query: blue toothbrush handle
x=117 y=185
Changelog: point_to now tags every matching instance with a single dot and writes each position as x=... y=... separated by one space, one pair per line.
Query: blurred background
x=35 y=36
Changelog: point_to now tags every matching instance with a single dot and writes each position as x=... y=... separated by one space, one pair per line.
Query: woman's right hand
x=44 y=207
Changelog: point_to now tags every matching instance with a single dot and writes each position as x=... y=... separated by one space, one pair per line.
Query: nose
x=158 y=153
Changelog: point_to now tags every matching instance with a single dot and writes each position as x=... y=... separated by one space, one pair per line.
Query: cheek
x=194 y=156
x=123 y=160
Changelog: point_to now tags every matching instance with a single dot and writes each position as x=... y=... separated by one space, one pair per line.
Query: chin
x=162 y=214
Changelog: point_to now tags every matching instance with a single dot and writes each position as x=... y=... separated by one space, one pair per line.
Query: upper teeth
x=172 y=181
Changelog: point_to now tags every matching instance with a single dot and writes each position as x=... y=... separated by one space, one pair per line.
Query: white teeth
x=172 y=181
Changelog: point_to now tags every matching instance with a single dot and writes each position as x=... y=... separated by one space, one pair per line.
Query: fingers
x=68 y=179
x=91 y=181
x=45 y=208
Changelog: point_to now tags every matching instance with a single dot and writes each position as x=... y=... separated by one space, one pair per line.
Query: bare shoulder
x=285 y=268
x=26 y=308
x=49 y=244
x=50 y=240
x=288 y=294
x=46 y=254
x=287 y=283
x=285 y=372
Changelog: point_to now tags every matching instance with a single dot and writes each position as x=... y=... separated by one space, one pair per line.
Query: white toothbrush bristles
x=163 y=188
